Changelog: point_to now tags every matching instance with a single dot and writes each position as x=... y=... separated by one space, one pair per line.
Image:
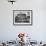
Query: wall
x=37 y=31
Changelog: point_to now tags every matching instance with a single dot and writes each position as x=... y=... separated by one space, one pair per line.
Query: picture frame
x=22 y=17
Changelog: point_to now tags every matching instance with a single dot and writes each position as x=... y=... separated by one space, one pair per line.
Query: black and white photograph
x=22 y=17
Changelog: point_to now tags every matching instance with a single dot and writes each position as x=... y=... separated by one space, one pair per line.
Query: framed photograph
x=22 y=17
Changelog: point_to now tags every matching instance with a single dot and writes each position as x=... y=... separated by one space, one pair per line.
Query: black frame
x=24 y=24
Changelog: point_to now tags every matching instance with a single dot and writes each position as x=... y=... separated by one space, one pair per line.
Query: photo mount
x=22 y=12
